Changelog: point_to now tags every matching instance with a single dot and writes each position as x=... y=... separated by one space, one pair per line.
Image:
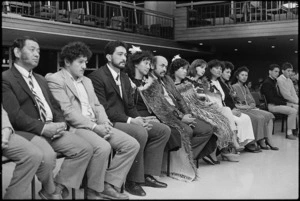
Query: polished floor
x=265 y=175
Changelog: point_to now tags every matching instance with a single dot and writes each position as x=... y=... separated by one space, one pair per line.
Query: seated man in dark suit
x=82 y=110
x=25 y=154
x=276 y=103
x=114 y=91
x=32 y=108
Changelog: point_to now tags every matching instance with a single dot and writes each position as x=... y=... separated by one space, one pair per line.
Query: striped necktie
x=38 y=100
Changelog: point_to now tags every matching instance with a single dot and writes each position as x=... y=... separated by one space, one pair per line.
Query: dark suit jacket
x=117 y=109
x=20 y=104
x=229 y=102
x=268 y=89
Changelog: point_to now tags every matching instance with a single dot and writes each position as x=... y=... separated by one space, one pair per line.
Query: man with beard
x=114 y=91
x=199 y=131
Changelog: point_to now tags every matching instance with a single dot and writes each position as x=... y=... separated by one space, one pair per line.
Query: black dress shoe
x=152 y=182
x=252 y=149
x=272 y=147
x=134 y=188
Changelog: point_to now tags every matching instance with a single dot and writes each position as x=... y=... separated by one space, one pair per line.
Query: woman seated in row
x=226 y=137
x=262 y=120
x=240 y=123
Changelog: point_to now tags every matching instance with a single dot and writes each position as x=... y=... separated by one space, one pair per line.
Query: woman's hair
x=73 y=51
x=227 y=65
x=237 y=72
x=192 y=69
x=210 y=65
x=134 y=59
x=175 y=65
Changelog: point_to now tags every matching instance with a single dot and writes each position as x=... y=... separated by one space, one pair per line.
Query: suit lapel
x=22 y=82
x=122 y=77
x=111 y=80
x=69 y=82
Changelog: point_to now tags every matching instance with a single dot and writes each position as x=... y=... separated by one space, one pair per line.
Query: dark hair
x=112 y=45
x=134 y=59
x=210 y=65
x=20 y=43
x=73 y=51
x=273 y=66
x=237 y=72
x=286 y=65
x=227 y=65
x=175 y=65
x=192 y=69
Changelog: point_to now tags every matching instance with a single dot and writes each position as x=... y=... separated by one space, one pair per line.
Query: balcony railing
x=241 y=12
x=116 y=16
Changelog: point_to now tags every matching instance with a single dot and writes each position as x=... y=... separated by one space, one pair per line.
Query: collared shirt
x=118 y=81
x=166 y=94
x=37 y=89
x=216 y=83
x=86 y=108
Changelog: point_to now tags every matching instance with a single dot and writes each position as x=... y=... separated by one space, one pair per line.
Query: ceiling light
x=291 y=39
x=200 y=43
x=236 y=50
x=249 y=41
x=273 y=46
x=296 y=51
x=154 y=50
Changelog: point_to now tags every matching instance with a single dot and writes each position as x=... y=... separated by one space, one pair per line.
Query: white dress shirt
x=37 y=89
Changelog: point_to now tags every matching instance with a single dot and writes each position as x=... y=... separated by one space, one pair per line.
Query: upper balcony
x=107 y=15
x=221 y=20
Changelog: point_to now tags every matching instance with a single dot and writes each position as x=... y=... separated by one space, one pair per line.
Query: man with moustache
x=87 y=117
x=199 y=131
x=114 y=91
x=32 y=108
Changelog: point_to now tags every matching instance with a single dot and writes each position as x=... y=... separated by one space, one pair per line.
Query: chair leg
x=33 y=188
x=85 y=188
x=168 y=164
x=122 y=188
x=273 y=127
x=73 y=194
x=282 y=124
x=197 y=164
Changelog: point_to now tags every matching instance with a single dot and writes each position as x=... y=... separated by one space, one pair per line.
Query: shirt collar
x=282 y=75
x=23 y=71
x=114 y=73
x=72 y=78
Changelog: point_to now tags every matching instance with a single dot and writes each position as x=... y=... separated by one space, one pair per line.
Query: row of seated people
x=132 y=107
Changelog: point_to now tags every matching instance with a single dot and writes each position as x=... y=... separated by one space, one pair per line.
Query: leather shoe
x=134 y=188
x=93 y=195
x=46 y=196
x=111 y=193
x=253 y=149
x=291 y=137
x=152 y=182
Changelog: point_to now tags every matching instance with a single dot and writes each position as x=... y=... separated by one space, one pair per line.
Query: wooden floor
x=266 y=175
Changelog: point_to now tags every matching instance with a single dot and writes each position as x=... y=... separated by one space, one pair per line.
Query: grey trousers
x=152 y=144
x=28 y=158
x=126 y=148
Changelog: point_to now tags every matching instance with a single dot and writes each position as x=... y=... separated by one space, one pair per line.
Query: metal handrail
x=240 y=12
x=107 y=15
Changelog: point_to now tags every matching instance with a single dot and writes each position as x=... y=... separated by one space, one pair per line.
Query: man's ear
x=17 y=52
x=66 y=62
x=152 y=66
x=108 y=57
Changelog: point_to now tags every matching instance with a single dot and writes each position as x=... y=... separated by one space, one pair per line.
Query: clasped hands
x=189 y=120
x=143 y=121
x=54 y=130
x=104 y=130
